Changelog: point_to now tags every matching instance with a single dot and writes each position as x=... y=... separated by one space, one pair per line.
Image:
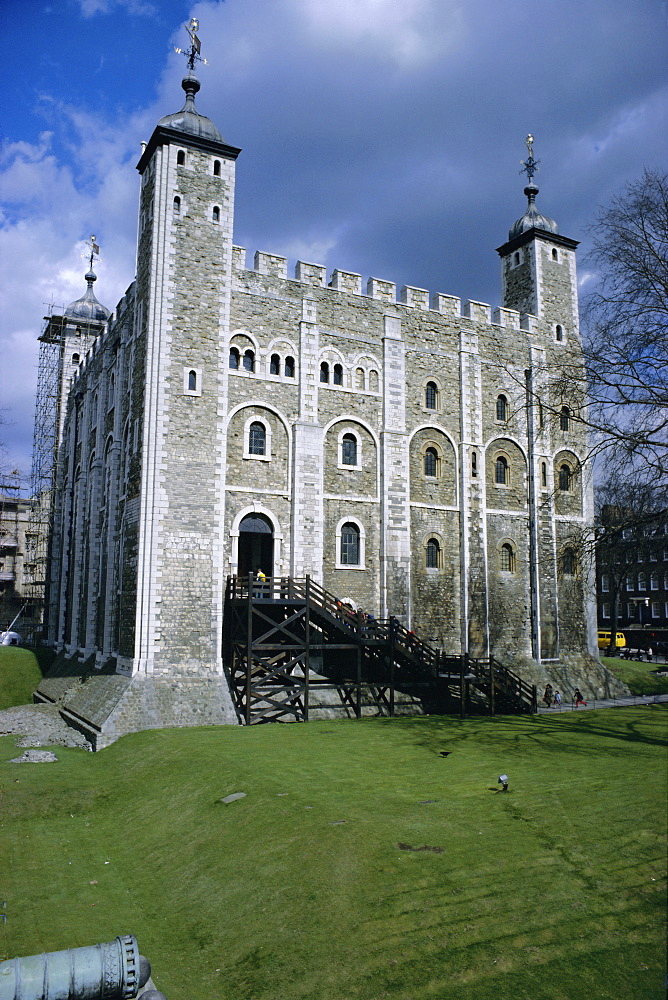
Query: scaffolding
x=49 y=410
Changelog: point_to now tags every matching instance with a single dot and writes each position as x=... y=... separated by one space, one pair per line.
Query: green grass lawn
x=637 y=676
x=20 y=673
x=301 y=890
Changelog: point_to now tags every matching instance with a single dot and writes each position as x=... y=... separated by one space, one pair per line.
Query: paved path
x=649 y=699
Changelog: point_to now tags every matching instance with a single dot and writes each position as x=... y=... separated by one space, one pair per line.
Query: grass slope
x=638 y=676
x=300 y=890
x=20 y=674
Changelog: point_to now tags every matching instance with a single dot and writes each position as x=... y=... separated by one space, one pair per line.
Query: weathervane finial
x=193 y=54
x=94 y=249
x=530 y=165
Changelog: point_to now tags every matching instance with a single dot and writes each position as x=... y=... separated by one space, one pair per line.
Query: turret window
x=216 y=168
x=215 y=214
x=181 y=158
x=177 y=205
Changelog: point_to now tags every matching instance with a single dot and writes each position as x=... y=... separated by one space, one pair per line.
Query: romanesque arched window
x=257 y=438
x=289 y=368
x=559 y=332
x=430 y=462
x=216 y=168
x=274 y=365
x=338 y=375
x=501 y=471
x=192 y=380
x=568 y=562
x=181 y=158
x=507 y=558
x=543 y=475
x=501 y=408
x=324 y=372
x=249 y=360
x=215 y=214
x=431 y=396
x=177 y=205
x=350 y=544
x=75 y=359
x=433 y=554
x=565 y=478
x=564 y=418
x=359 y=378
x=234 y=358
x=349 y=450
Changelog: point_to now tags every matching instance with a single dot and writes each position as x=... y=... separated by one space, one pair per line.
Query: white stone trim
x=362 y=539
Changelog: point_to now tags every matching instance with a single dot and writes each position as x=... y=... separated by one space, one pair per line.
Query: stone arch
x=441 y=489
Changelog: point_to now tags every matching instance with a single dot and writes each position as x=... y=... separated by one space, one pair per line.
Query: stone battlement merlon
x=274 y=265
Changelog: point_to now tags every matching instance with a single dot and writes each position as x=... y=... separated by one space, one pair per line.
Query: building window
x=565 y=477
x=605 y=611
x=568 y=562
x=359 y=378
x=373 y=381
x=431 y=396
x=75 y=359
x=324 y=372
x=431 y=462
x=289 y=369
x=642 y=581
x=507 y=558
x=177 y=205
x=559 y=332
x=501 y=471
x=630 y=610
x=338 y=375
x=474 y=464
x=555 y=255
x=249 y=360
x=216 y=168
x=605 y=583
x=257 y=439
x=192 y=381
x=665 y=581
x=234 y=358
x=543 y=475
x=349 y=450
x=501 y=408
x=564 y=418
x=433 y=554
x=181 y=158
x=112 y=393
x=516 y=259
x=630 y=582
x=656 y=609
x=215 y=214
x=275 y=365
x=654 y=581
x=350 y=545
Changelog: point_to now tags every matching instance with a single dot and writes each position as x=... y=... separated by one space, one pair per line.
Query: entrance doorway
x=256 y=545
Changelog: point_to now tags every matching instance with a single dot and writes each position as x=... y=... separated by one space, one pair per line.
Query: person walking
x=577 y=698
x=547 y=697
x=557 y=699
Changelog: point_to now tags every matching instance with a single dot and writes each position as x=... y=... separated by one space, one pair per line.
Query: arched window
x=216 y=168
x=568 y=562
x=373 y=381
x=431 y=396
x=350 y=545
x=559 y=332
x=215 y=214
x=257 y=438
x=501 y=408
x=516 y=258
x=192 y=381
x=289 y=368
x=565 y=477
x=249 y=360
x=605 y=583
x=349 y=450
x=274 y=365
x=177 y=205
x=234 y=358
x=181 y=158
x=359 y=378
x=543 y=474
x=338 y=375
x=642 y=581
x=501 y=471
x=433 y=554
x=430 y=462
x=324 y=372
x=564 y=418
x=474 y=464
x=555 y=255
x=654 y=581
x=75 y=359
x=112 y=393
x=507 y=558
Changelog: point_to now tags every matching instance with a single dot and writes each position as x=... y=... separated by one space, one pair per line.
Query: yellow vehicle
x=604 y=640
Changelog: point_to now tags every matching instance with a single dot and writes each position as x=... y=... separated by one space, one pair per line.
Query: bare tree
x=626 y=325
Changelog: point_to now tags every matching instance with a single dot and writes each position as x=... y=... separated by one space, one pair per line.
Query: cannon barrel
x=111 y=971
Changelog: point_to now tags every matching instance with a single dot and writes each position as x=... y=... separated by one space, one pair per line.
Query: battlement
x=350 y=282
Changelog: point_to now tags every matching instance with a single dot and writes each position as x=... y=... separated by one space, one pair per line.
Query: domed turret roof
x=87 y=308
x=188 y=119
x=532 y=218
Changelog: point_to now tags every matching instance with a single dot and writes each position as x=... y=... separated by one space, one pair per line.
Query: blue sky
x=379 y=136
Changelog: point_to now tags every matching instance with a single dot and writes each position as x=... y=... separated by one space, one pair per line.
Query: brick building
x=409 y=453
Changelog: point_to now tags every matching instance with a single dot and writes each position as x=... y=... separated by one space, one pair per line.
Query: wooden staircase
x=285 y=639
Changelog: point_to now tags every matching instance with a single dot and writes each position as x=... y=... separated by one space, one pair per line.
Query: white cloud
x=91 y=7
